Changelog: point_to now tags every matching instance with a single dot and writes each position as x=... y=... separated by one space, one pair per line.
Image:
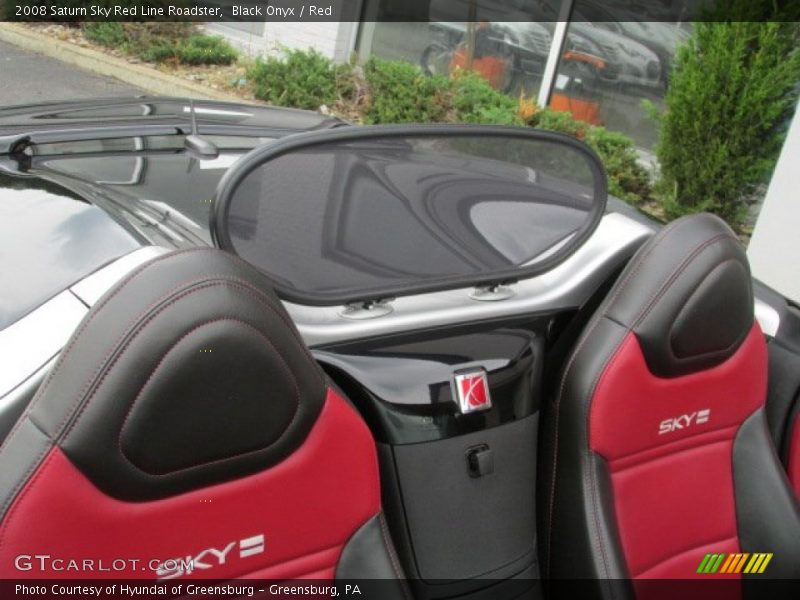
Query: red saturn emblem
x=472 y=390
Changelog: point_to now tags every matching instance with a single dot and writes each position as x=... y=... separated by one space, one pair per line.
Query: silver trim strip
x=13 y=403
x=41 y=334
x=568 y=285
x=33 y=340
x=91 y=288
x=768 y=318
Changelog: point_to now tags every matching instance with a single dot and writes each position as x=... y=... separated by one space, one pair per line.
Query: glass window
x=613 y=60
x=507 y=41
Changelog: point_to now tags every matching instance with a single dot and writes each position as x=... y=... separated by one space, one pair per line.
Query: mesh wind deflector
x=364 y=213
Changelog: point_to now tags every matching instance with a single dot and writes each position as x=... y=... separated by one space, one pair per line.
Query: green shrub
x=155 y=51
x=155 y=42
x=302 y=79
x=173 y=31
x=401 y=93
x=162 y=41
x=105 y=33
x=206 y=50
x=627 y=179
x=732 y=90
x=562 y=122
x=475 y=101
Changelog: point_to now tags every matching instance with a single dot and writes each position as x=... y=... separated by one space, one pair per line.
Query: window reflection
x=616 y=54
x=506 y=41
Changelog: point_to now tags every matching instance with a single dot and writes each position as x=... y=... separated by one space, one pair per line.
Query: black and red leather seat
x=783 y=391
x=185 y=419
x=783 y=406
x=783 y=413
x=793 y=452
x=657 y=451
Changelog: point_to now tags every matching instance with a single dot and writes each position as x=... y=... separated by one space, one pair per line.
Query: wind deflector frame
x=364 y=213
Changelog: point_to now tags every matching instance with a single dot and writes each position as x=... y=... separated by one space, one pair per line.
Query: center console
x=455 y=416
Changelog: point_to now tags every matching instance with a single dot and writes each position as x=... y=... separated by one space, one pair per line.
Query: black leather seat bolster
x=370 y=550
x=577 y=530
x=768 y=516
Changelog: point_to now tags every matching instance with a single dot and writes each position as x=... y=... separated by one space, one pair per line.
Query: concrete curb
x=150 y=80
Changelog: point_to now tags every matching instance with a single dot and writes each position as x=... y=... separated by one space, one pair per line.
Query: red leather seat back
x=656 y=449
x=287 y=522
x=186 y=432
x=668 y=446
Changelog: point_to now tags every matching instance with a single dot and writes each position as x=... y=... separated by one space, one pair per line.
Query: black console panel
x=459 y=489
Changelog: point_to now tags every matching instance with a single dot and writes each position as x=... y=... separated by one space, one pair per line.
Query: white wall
x=774 y=249
x=247 y=37
x=302 y=36
x=335 y=40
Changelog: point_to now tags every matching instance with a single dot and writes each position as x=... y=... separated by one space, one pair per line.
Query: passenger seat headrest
x=687 y=295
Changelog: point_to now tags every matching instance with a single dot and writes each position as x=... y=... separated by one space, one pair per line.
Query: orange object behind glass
x=491 y=68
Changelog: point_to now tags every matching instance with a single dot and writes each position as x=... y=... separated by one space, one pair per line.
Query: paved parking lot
x=30 y=77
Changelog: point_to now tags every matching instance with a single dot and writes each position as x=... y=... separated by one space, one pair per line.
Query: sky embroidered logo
x=210 y=558
x=250 y=546
x=730 y=564
x=699 y=417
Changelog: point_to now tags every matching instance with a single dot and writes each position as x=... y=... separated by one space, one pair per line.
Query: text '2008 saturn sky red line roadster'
x=434 y=361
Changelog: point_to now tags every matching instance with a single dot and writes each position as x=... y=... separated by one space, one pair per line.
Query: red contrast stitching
x=284 y=366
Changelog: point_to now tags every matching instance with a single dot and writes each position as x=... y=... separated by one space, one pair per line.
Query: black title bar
x=595 y=11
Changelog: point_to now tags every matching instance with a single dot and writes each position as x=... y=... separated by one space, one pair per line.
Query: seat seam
x=15 y=502
x=672 y=452
x=58 y=433
x=667 y=284
x=140 y=324
x=284 y=366
x=588 y=454
x=122 y=284
x=74 y=338
x=392 y=557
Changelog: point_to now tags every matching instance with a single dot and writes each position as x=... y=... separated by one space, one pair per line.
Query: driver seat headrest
x=189 y=372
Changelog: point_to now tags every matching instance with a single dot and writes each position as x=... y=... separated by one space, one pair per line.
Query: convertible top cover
x=367 y=213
